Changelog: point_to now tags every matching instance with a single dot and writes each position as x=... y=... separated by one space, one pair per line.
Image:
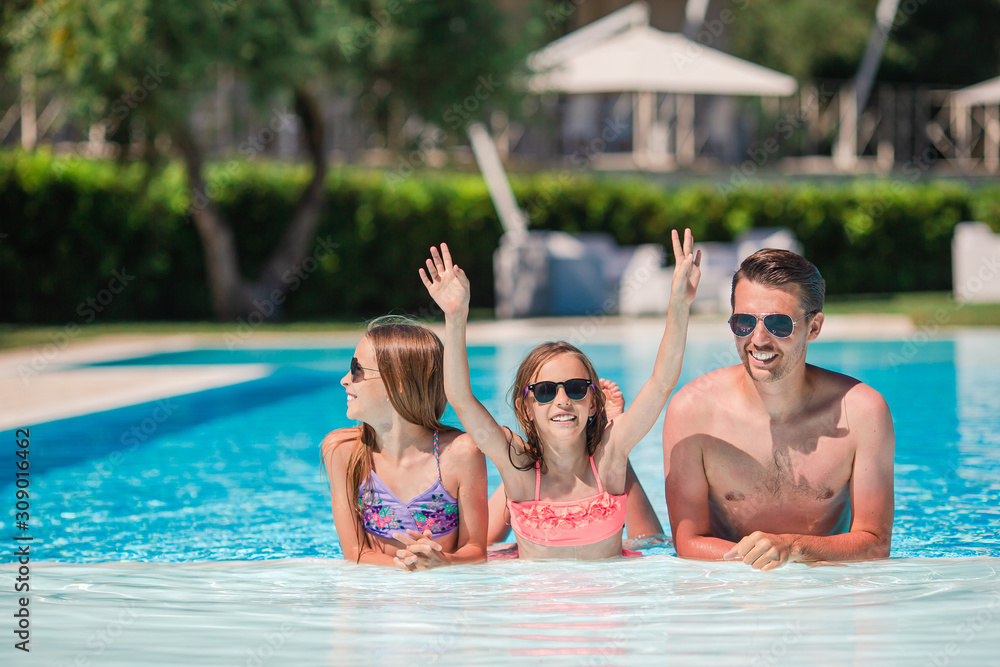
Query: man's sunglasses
x=545 y=392
x=778 y=325
x=356 y=369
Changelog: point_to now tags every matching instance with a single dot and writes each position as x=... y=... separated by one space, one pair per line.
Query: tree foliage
x=944 y=42
x=425 y=56
x=99 y=52
x=147 y=64
x=937 y=42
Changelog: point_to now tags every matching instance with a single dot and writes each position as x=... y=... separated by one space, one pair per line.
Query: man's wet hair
x=778 y=268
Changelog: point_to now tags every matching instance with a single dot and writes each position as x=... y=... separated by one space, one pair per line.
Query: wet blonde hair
x=537 y=358
x=410 y=361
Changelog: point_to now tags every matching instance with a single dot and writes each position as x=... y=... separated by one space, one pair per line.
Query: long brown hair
x=410 y=360
x=528 y=369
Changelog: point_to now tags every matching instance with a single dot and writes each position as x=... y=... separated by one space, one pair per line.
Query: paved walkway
x=47 y=382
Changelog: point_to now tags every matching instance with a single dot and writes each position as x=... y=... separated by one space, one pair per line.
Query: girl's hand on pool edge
x=420 y=552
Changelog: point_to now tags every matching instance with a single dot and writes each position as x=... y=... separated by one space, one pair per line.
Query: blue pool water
x=197 y=530
x=234 y=473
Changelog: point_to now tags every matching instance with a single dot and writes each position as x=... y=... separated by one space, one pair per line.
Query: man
x=778 y=460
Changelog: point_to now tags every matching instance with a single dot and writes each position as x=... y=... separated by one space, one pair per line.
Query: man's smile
x=763 y=357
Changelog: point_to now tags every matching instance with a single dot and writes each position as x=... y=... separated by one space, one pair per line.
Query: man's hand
x=762 y=551
x=420 y=552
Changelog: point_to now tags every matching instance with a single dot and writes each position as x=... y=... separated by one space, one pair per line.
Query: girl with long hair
x=406 y=490
x=565 y=479
x=640 y=519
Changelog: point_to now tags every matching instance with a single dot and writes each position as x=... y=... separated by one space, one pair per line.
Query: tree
x=939 y=42
x=149 y=62
x=944 y=42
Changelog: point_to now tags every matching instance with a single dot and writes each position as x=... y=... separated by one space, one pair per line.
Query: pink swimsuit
x=570 y=523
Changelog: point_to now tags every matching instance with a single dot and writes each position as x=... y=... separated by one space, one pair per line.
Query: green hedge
x=71 y=223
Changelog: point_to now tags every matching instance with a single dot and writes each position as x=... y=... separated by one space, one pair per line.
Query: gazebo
x=964 y=102
x=623 y=54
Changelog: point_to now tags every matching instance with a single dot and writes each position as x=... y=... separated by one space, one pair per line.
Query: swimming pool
x=223 y=491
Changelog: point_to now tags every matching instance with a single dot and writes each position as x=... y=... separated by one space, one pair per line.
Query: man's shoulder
x=701 y=393
x=856 y=395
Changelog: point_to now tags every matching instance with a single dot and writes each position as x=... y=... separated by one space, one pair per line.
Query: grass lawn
x=13 y=335
x=921 y=307
x=19 y=336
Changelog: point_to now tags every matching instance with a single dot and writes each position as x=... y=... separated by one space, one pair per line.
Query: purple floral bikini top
x=384 y=513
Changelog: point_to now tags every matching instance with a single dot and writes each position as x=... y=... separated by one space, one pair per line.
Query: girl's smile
x=563 y=414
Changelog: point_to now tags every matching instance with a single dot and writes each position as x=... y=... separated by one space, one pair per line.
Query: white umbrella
x=983 y=93
x=643 y=59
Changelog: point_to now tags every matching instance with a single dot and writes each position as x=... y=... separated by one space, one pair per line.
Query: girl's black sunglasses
x=545 y=392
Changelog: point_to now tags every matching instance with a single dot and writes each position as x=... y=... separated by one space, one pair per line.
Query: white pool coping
x=44 y=382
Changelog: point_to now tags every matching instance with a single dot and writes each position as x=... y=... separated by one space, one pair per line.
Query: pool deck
x=47 y=382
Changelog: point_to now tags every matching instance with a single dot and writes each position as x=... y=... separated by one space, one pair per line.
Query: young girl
x=400 y=451
x=640 y=518
x=565 y=480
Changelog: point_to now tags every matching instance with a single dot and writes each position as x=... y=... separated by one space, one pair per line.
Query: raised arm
x=449 y=287
x=872 y=498
x=634 y=424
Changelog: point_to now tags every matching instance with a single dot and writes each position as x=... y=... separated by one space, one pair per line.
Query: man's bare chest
x=805 y=470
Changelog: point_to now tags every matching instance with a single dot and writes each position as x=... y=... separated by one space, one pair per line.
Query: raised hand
x=687 y=267
x=446 y=282
x=614 y=400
